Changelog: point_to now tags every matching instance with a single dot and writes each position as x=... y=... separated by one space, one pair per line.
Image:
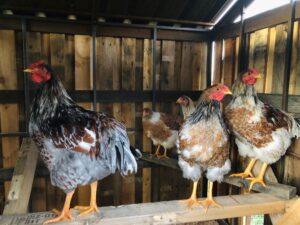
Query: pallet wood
x=128 y=110
x=22 y=180
x=170 y=212
x=270 y=60
x=8 y=81
x=147 y=145
x=292 y=216
x=83 y=81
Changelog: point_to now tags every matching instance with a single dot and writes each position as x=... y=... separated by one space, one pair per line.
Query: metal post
x=154 y=38
x=288 y=57
x=208 y=63
x=242 y=65
x=26 y=81
x=94 y=62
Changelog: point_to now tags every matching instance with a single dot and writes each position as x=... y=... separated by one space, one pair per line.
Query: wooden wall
x=122 y=64
x=266 y=52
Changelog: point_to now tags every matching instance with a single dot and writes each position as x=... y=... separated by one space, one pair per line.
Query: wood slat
x=171 y=212
x=22 y=180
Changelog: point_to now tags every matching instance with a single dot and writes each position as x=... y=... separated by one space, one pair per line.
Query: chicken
x=261 y=131
x=78 y=146
x=162 y=129
x=203 y=143
x=187 y=105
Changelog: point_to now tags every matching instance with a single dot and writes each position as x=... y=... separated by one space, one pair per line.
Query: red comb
x=38 y=63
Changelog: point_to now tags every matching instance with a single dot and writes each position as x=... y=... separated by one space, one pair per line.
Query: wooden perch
x=170 y=212
x=19 y=193
x=276 y=189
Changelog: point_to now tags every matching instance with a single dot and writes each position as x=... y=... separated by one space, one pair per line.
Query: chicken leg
x=164 y=155
x=193 y=199
x=259 y=178
x=209 y=200
x=65 y=213
x=247 y=172
x=93 y=204
x=157 y=151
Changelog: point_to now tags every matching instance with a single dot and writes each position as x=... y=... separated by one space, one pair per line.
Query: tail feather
x=294 y=125
x=126 y=161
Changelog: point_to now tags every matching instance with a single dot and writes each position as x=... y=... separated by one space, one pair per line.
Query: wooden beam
x=19 y=193
x=292 y=216
x=169 y=212
x=276 y=189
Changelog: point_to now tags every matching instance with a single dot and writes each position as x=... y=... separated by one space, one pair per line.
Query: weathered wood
x=292 y=216
x=128 y=53
x=279 y=190
x=171 y=212
x=217 y=62
x=147 y=85
x=8 y=81
x=83 y=81
x=19 y=193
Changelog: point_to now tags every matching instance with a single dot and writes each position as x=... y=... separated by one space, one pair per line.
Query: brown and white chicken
x=203 y=143
x=162 y=129
x=187 y=105
x=261 y=131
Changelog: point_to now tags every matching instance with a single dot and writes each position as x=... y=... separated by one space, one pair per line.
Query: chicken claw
x=209 y=201
x=242 y=175
x=190 y=202
x=86 y=209
x=64 y=215
x=255 y=180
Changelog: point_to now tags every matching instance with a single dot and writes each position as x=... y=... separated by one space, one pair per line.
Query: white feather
x=217 y=173
x=190 y=171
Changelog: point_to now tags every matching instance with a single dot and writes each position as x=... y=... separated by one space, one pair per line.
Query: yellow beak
x=27 y=70
x=228 y=93
x=258 y=76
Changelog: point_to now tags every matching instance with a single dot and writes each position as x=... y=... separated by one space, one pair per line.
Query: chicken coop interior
x=121 y=56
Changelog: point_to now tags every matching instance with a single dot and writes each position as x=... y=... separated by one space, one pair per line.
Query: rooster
x=78 y=146
x=203 y=143
x=187 y=105
x=162 y=129
x=261 y=131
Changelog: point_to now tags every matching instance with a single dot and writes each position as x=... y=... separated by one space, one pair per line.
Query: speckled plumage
x=262 y=131
x=78 y=146
x=203 y=142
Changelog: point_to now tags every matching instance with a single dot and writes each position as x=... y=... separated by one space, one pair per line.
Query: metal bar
x=26 y=81
x=208 y=63
x=288 y=57
x=94 y=32
x=154 y=39
x=242 y=50
x=83 y=22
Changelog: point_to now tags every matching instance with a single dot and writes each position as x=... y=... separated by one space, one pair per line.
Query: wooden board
x=128 y=55
x=83 y=81
x=147 y=145
x=9 y=112
x=22 y=180
x=171 y=212
x=217 y=62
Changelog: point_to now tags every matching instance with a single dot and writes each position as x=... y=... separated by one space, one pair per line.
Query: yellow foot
x=86 y=209
x=163 y=157
x=62 y=216
x=255 y=180
x=190 y=202
x=209 y=201
x=242 y=175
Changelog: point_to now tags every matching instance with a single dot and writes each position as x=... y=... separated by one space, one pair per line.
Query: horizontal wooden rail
x=276 y=189
x=169 y=212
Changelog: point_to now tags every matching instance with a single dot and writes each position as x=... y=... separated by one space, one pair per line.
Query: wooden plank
x=19 y=193
x=128 y=110
x=279 y=54
x=270 y=60
x=83 y=81
x=38 y=48
x=186 y=70
x=279 y=190
x=217 y=62
x=147 y=85
x=228 y=62
x=292 y=216
x=9 y=112
x=170 y=212
x=258 y=55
